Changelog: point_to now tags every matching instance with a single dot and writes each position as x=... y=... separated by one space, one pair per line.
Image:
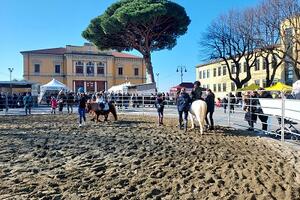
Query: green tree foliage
x=144 y=25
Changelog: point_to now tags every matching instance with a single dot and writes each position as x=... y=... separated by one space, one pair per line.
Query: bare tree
x=268 y=38
x=230 y=38
x=288 y=13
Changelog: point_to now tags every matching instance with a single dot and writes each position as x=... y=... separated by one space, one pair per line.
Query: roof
x=55 y=51
x=16 y=84
x=62 y=51
x=184 y=84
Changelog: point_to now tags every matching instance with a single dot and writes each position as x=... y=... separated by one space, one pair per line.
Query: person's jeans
x=27 y=110
x=264 y=119
x=180 y=116
x=70 y=108
x=211 y=120
x=81 y=112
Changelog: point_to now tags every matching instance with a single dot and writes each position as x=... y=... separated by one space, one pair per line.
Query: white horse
x=198 y=109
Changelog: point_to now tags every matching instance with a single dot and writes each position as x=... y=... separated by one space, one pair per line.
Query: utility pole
x=10 y=69
x=181 y=69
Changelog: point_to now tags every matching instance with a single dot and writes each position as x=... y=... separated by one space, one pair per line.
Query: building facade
x=83 y=66
x=214 y=75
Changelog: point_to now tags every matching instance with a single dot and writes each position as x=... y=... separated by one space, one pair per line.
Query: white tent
x=123 y=88
x=53 y=85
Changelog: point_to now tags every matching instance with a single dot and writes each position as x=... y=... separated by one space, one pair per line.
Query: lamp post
x=157 y=75
x=10 y=69
x=181 y=69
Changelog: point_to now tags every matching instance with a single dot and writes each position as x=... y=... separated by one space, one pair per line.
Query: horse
x=198 y=109
x=95 y=107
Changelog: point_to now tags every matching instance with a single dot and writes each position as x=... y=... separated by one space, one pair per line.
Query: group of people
x=184 y=101
x=62 y=100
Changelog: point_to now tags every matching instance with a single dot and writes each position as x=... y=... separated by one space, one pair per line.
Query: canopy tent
x=251 y=87
x=53 y=85
x=122 y=88
x=279 y=87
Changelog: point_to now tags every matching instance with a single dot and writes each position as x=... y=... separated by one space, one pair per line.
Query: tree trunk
x=149 y=68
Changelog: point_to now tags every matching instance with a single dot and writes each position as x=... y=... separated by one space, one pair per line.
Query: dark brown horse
x=97 y=110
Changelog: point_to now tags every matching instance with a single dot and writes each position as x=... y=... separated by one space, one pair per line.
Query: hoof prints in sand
x=53 y=159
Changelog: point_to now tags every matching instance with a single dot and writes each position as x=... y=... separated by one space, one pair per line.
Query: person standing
x=61 y=98
x=250 y=108
x=159 y=105
x=183 y=106
x=28 y=103
x=53 y=102
x=210 y=101
x=70 y=102
x=81 y=109
x=263 y=118
x=196 y=93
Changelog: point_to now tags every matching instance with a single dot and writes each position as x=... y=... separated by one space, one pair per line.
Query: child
x=183 y=106
x=159 y=105
x=53 y=105
x=81 y=109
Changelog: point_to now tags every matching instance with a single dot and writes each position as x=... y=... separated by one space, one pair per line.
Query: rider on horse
x=196 y=93
x=101 y=100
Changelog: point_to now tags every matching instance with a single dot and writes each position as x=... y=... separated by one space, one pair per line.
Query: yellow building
x=83 y=66
x=214 y=75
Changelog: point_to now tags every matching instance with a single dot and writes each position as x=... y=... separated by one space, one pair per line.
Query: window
x=233 y=69
x=215 y=72
x=219 y=71
x=257 y=82
x=204 y=74
x=136 y=71
x=224 y=70
x=57 y=69
x=207 y=86
x=90 y=69
x=245 y=67
x=264 y=64
x=37 y=68
x=200 y=74
x=100 y=68
x=224 y=87
x=207 y=73
x=232 y=86
x=256 y=67
x=79 y=67
x=215 y=87
x=219 y=87
x=120 y=71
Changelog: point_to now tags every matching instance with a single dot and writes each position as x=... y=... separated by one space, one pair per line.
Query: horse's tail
x=114 y=111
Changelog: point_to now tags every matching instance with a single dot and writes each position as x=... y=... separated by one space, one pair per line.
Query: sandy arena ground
x=49 y=157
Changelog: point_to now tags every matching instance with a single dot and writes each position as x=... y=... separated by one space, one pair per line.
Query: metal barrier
x=279 y=117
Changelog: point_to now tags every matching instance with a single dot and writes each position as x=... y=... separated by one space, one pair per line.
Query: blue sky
x=38 y=24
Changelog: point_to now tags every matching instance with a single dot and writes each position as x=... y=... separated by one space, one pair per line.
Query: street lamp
x=181 y=69
x=10 y=69
x=157 y=74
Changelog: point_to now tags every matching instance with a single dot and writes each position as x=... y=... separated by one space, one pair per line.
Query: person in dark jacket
x=196 y=93
x=183 y=106
x=70 y=102
x=159 y=105
x=28 y=102
x=263 y=118
x=61 y=98
x=250 y=107
x=81 y=109
x=210 y=101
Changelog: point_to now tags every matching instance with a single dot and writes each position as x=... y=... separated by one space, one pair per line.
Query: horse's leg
x=105 y=117
x=200 y=123
x=192 y=120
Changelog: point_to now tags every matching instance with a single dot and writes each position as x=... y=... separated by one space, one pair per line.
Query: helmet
x=197 y=83
x=80 y=90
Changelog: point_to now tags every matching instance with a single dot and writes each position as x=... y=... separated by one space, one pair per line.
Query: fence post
x=282 y=116
x=228 y=110
x=143 y=103
x=6 y=104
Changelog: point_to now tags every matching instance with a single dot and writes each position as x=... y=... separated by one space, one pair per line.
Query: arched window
x=90 y=69
x=79 y=67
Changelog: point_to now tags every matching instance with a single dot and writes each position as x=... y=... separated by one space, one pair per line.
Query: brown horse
x=97 y=110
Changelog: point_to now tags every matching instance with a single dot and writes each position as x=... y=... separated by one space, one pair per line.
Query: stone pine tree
x=143 y=25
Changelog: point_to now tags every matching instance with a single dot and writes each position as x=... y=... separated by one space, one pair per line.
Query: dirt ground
x=49 y=157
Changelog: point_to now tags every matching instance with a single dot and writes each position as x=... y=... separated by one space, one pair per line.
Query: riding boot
x=180 y=124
